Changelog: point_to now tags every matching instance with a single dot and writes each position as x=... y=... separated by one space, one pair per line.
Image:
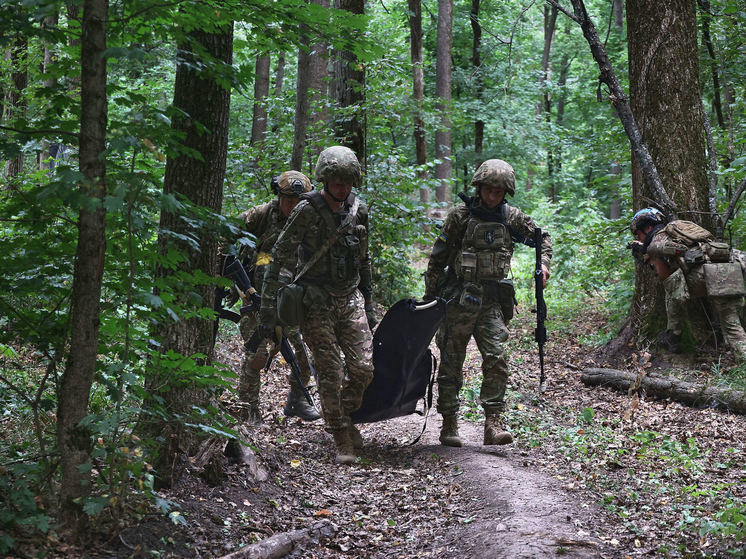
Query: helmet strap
x=650 y=234
x=332 y=196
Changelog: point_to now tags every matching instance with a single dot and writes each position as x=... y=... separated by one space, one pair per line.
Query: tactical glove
x=267 y=323
x=370 y=314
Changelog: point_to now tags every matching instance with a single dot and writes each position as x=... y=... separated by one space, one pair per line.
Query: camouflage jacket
x=449 y=244
x=344 y=267
x=265 y=222
x=664 y=247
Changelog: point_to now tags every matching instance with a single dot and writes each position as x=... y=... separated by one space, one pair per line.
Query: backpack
x=687 y=232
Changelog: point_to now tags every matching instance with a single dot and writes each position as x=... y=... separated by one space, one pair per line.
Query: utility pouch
x=717 y=251
x=724 y=279
x=471 y=297
x=676 y=288
x=506 y=298
x=467 y=262
x=290 y=305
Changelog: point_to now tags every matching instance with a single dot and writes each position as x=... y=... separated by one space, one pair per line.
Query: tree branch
x=619 y=100
x=44 y=131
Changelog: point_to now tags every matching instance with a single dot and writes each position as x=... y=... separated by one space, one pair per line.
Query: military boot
x=494 y=433
x=356 y=437
x=449 y=431
x=345 y=450
x=670 y=341
x=296 y=405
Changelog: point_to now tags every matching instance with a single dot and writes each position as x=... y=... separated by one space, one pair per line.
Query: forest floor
x=592 y=473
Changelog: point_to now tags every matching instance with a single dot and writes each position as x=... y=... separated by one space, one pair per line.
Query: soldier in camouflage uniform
x=337 y=290
x=668 y=257
x=476 y=246
x=265 y=222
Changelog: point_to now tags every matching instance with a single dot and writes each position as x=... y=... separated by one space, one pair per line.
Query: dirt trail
x=515 y=511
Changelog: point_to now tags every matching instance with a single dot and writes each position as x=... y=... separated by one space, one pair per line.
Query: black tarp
x=402 y=361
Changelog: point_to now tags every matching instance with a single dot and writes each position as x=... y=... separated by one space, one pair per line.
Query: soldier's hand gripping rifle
x=540 y=332
x=237 y=273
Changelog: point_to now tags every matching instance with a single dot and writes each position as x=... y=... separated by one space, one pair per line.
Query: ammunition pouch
x=290 y=305
x=724 y=279
x=676 y=287
x=717 y=251
x=506 y=298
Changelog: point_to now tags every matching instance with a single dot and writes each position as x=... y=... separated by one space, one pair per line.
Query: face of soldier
x=339 y=189
x=640 y=234
x=491 y=195
x=287 y=203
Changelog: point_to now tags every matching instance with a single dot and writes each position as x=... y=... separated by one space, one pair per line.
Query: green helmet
x=291 y=183
x=495 y=172
x=339 y=162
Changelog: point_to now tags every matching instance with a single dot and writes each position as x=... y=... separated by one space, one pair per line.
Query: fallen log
x=689 y=393
x=281 y=544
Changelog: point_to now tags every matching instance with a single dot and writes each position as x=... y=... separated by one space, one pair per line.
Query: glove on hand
x=267 y=323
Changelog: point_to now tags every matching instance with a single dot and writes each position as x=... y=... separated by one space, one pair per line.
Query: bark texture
x=418 y=92
x=688 y=393
x=665 y=99
x=443 y=98
x=350 y=91
x=261 y=90
x=205 y=105
x=74 y=440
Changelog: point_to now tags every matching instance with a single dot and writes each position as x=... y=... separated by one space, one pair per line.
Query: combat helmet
x=645 y=217
x=339 y=162
x=495 y=172
x=291 y=184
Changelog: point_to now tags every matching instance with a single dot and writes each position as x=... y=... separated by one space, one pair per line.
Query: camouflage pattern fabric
x=485 y=323
x=338 y=162
x=265 y=222
x=250 y=381
x=727 y=308
x=496 y=173
x=335 y=329
x=340 y=329
x=489 y=331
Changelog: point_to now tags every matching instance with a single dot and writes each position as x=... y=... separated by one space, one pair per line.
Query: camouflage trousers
x=340 y=329
x=727 y=308
x=489 y=331
x=250 y=380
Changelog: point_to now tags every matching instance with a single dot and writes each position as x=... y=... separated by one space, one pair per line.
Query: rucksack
x=687 y=232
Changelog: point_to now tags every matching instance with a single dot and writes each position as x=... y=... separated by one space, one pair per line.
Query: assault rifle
x=540 y=332
x=237 y=273
x=638 y=250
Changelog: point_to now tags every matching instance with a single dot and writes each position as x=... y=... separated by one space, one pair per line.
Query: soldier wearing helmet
x=470 y=266
x=324 y=249
x=691 y=263
x=265 y=222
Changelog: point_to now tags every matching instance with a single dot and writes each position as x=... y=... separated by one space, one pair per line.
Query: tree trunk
x=74 y=440
x=695 y=395
x=301 y=100
x=704 y=6
x=618 y=7
x=279 y=74
x=418 y=93
x=443 y=102
x=50 y=22
x=476 y=63
x=664 y=97
x=205 y=104
x=312 y=59
x=545 y=106
x=261 y=90
x=350 y=95
x=16 y=102
x=318 y=86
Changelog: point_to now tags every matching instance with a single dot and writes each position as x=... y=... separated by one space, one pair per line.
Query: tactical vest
x=339 y=267
x=486 y=250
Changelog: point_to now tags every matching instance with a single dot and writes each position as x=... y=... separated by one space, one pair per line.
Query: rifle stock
x=540 y=332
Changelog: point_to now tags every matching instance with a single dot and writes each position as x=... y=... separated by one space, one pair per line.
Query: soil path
x=514 y=511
